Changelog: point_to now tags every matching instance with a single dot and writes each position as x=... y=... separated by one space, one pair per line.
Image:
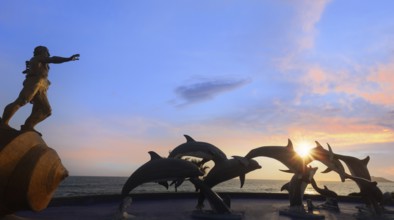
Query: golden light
x=303 y=148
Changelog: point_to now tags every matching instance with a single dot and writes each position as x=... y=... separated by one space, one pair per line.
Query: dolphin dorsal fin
x=365 y=160
x=289 y=144
x=154 y=155
x=330 y=152
x=318 y=144
x=188 y=138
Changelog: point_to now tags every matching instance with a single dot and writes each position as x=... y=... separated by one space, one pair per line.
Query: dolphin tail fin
x=285 y=187
x=163 y=183
x=242 y=179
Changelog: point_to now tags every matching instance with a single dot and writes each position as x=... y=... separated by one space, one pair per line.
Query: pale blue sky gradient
x=237 y=74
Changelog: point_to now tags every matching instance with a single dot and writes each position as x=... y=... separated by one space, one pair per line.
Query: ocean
x=74 y=186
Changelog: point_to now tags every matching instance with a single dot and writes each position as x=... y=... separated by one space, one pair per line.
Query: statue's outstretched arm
x=56 y=59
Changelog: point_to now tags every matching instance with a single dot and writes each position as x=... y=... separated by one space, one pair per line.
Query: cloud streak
x=206 y=90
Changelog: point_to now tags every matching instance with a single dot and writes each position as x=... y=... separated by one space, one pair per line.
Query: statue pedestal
x=300 y=213
x=30 y=171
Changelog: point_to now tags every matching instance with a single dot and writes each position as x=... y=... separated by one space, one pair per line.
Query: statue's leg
x=41 y=110
x=26 y=95
x=9 y=111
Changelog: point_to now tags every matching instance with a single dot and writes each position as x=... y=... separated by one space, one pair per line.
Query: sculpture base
x=12 y=217
x=199 y=214
x=297 y=213
x=30 y=171
x=329 y=207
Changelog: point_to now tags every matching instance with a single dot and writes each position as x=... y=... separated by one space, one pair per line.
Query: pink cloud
x=383 y=76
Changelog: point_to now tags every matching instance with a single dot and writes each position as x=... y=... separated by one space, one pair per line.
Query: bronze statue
x=35 y=88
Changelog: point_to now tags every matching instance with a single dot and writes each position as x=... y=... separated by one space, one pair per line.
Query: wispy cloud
x=303 y=33
x=207 y=89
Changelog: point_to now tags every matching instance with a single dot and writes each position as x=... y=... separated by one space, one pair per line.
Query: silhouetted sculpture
x=160 y=169
x=369 y=191
x=199 y=149
x=297 y=185
x=35 y=89
x=303 y=175
x=224 y=169
x=328 y=158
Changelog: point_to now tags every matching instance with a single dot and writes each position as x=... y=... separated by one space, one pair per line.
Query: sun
x=303 y=149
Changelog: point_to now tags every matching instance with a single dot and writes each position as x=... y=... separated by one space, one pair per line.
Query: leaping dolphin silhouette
x=160 y=169
x=297 y=185
x=229 y=169
x=370 y=192
x=329 y=159
x=199 y=149
x=226 y=170
x=286 y=155
x=357 y=167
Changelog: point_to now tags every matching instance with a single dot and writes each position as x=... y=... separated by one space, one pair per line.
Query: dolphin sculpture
x=286 y=155
x=229 y=169
x=160 y=169
x=370 y=193
x=325 y=191
x=369 y=190
x=203 y=150
x=329 y=159
x=199 y=149
x=296 y=187
x=357 y=167
x=226 y=170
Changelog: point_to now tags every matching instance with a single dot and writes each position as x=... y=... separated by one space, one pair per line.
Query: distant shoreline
x=381 y=179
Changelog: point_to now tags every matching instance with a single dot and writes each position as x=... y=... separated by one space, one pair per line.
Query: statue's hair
x=40 y=50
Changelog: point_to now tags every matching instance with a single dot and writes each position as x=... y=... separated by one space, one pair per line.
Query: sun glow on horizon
x=303 y=148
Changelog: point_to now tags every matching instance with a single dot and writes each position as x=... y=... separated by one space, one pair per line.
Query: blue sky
x=237 y=74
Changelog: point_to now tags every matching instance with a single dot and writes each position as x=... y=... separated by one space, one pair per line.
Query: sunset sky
x=238 y=74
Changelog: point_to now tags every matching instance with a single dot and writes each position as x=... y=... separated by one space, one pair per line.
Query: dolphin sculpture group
x=160 y=169
x=303 y=174
x=175 y=168
x=359 y=173
x=295 y=163
x=223 y=170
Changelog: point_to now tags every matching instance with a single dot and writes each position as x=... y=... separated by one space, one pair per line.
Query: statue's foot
x=26 y=128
